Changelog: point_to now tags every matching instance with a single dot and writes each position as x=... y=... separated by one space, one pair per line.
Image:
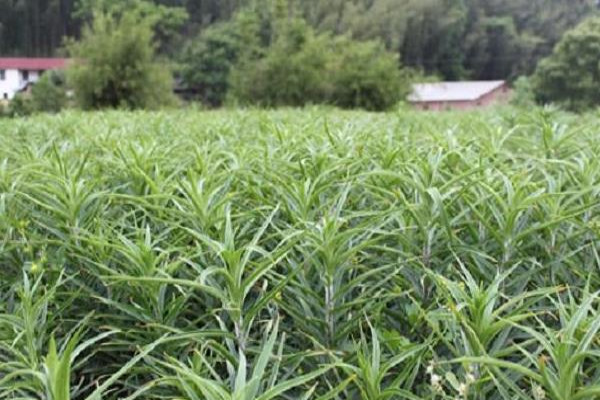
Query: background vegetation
x=351 y=54
x=113 y=65
x=480 y=39
x=571 y=75
x=299 y=254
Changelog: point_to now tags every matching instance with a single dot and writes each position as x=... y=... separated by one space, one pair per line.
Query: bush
x=291 y=73
x=365 y=75
x=20 y=106
x=302 y=67
x=523 y=95
x=266 y=56
x=115 y=65
x=207 y=62
x=49 y=94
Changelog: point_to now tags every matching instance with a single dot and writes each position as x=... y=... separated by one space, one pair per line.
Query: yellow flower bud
x=35 y=268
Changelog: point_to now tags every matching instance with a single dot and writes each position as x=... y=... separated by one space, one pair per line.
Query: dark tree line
x=480 y=39
x=35 y=27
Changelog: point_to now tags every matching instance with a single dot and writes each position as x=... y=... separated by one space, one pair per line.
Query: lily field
x=300 y=254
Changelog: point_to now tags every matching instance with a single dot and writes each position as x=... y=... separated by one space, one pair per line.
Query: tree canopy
x=571 y=75
x=273 y=57
x=114 y=64
x=478 y=39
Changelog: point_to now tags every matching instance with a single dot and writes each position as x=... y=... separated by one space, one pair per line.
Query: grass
x=310 y=254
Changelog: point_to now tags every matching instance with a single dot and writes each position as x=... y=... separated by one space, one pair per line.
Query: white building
x=17 y=73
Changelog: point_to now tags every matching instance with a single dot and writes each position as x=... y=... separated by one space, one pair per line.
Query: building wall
x=13 y=81
x=499 y=96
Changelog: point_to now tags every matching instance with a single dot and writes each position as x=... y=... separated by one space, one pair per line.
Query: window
x=25 y=75
x=5 y=96
x=2 y=74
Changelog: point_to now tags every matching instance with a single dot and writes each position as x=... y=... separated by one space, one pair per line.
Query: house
x=458 y=95
x=18 y=74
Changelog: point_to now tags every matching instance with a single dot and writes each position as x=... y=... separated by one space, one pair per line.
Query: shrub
x=21 y=105
x=291 y=73
x=302 y=67
x=115 y=65
x=365 y=75
x=207 y=62
x=523 y=95
x=49 y=94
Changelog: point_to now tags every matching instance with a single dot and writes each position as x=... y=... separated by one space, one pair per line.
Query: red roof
x=33 y=64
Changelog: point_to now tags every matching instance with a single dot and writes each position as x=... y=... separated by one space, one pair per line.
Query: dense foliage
x=300 y=67
x=114 y=65
x=571 y=75
x=273 y=58
x=481 y=39
x=206 y=63
x=300 y=255
x=49 y=94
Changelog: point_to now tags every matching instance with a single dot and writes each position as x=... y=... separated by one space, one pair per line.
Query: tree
x=479 y=39
x=301 y=67
x=290 y=72
x=166 y=20
x=208 y=60
x=363 y=74
x=571 y=75
x=35 y=27
x=115 y=65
